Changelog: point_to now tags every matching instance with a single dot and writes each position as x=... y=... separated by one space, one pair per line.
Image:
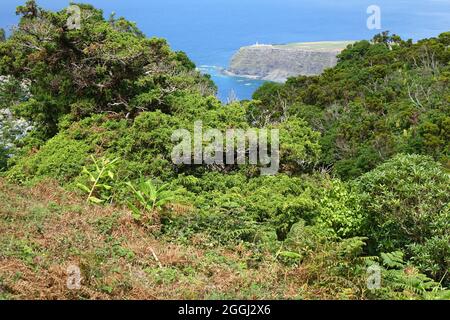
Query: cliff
x=279 y=62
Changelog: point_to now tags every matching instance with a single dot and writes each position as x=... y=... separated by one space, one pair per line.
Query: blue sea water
x=210 y=31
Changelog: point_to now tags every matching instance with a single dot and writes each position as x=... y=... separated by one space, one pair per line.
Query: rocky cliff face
x=277 y=63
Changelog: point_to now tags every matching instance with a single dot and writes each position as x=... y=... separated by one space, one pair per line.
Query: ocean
x=210 y=31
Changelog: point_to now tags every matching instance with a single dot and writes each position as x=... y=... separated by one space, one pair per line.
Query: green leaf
x=135 y=211
x=290 y=255
x=104 y=186
x=393 y=259
x=95 y=200
x=111 y=175
x=83 y=187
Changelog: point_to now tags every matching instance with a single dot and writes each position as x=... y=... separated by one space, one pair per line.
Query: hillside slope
x=44 y=230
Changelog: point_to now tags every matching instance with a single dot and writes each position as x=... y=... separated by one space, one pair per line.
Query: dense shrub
x=406 y=205
x=62 y=158
x=404 y=201
x=339 y=209
x=433 y=257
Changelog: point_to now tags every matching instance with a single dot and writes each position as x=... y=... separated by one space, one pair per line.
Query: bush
x=299 y=145
x=339 y=209
x=433 y=257
x=405 y=203
x=62 y=158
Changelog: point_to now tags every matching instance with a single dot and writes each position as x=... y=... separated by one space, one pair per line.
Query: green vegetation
x=364 y=179
x=151 y=199
x=101 y=180
x=384 y=97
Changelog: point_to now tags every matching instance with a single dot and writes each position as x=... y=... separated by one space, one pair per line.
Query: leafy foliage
x=106 y=66
x=60 y=158
x=100 y=180
x=403 y=280
x=151 y=199
x=2 y=35
x=384 y=97
x=405 y=201
x=364 y=154
x=405 y=204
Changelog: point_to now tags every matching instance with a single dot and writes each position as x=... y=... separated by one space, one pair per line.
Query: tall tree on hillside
x=105 y=67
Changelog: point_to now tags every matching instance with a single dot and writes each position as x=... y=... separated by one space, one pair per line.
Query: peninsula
x=279 y=62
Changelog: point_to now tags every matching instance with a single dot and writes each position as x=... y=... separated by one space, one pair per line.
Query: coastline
x=277 y=63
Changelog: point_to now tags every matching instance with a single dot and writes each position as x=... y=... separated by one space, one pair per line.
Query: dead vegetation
x=45 y=229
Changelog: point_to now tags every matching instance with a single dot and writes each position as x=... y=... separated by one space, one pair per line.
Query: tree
x=387 y=39
x=2 y=35
x=107 y=66
x=29 y=10
x=384 y=97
